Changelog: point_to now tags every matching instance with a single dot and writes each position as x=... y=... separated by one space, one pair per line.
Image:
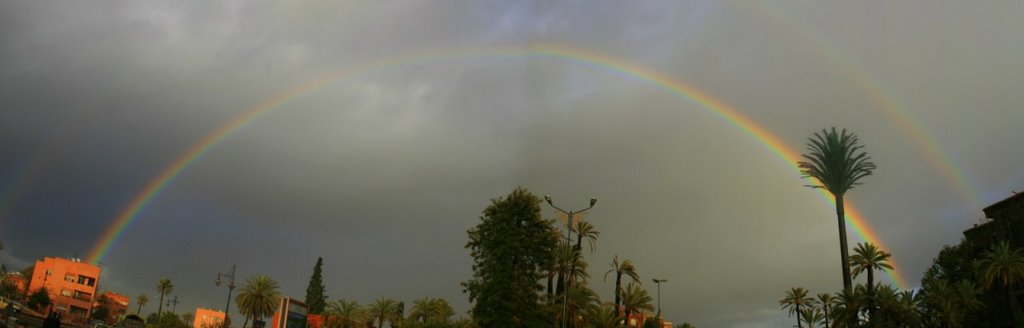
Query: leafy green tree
x=142 y=299
x=164 y=287
x=511 y=247
x=625 y=268
x=258 y=298
x=100 y=313
x=316 y=293
x=1004 y=267
x=836 y=161
x=636 y=299
x=39 y=299
x=796 y=298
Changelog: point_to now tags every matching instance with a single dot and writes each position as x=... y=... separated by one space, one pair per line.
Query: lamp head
x=593 y=201
x=217 y=282
x=547 y=198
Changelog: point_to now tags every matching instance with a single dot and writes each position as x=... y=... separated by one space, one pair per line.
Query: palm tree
x=382 y=309
x=440 y=311
x=1006 y=267
x=810 y=316
x=258 y=298
x=421 y=310
x=867 y=258
x=163 y=287
x=636 y=299
x=824 y=303
x=625 y=268
x=345 y=312
x=795 y=298
x=581 y=299
x=837 y=163
x=585 y=230
x=142 y=299
x=605 y=316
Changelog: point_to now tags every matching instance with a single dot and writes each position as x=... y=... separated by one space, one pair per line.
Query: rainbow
x=153 y=188
x=876 y=97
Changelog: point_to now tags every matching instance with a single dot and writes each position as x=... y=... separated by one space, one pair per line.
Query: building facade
x=116 y=305
x=71 y=284
x=207 y=318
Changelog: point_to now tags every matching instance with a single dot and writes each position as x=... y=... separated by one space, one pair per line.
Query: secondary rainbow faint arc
x=160 y=182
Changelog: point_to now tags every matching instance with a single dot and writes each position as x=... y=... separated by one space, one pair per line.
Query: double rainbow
x=558 y=52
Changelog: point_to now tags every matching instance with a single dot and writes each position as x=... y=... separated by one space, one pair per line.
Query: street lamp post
x=175 y=302
x=231 y=286
x=568 y=239
x=658 y=282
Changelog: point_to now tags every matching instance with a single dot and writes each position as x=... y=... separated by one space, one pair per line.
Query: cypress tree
x=316 y=295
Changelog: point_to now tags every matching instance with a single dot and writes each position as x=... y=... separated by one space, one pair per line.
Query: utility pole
x=568 y=239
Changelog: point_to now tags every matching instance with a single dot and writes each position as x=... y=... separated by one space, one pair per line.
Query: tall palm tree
x=164 y=287
x=142 y=299
x=258 y=298
x=836 y=161
x=824 y=303
x=583 y=230
x=1004 y=266
x=382 y=309
x=345 y=312
x=796 y=298
x=634 y=299
x=625 y=268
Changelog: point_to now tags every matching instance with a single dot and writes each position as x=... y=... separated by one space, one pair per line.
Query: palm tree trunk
x=160 y=307
x=139 y=310
x=246 y=322
x=799 y=315
x=871 y=294
x=841 y=215
x=618 y=288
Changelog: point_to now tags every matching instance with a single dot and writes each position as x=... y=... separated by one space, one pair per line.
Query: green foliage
x=9 y=289
x=635 y=299
x=651 y=323
x=605 y=316
x=430 y=312
x=258 y=298
x=384 y=309
x=511 y=246
x=39 y=299
x=167 y=320
x=316 y=293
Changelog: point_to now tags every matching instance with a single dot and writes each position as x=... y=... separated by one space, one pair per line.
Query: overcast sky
x=382 y=172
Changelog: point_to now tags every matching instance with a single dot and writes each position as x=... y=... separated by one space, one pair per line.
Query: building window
x=65 y=293
x=69 y=278
x=77 y=311
x=83 y=296
x=88 y=281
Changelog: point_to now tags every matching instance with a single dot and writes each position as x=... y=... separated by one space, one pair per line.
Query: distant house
x=1005 y=223
x=207 y=318
x=116 y=305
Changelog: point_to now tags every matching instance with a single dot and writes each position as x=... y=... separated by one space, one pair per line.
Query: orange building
x=206 y=318
x=70 y=283
x=116 y=305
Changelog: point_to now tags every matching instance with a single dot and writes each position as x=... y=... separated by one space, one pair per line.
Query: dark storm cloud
x=382 y=173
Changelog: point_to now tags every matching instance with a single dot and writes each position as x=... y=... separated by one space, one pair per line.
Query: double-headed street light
x=658 y=282
x=231 y=287
x=568 y=238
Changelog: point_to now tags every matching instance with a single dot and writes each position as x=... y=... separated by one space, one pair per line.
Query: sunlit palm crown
x=836 y=161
